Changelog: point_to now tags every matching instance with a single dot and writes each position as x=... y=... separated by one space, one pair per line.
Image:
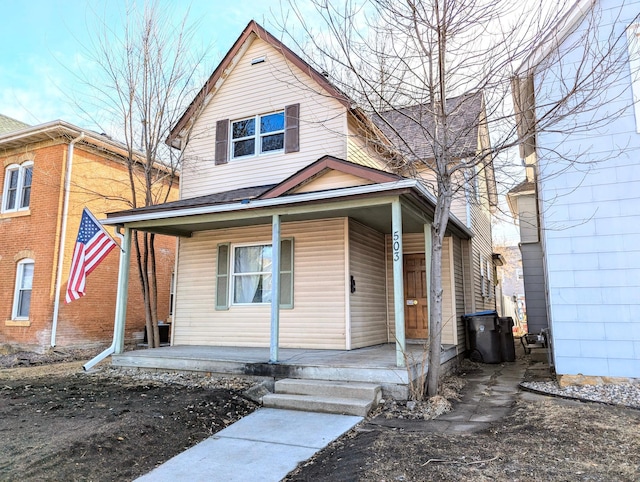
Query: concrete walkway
x=263 y=446
x=487 y=398
x=269 y=443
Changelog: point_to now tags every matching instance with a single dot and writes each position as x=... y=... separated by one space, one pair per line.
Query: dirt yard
x=58 y=423
x=543 y=439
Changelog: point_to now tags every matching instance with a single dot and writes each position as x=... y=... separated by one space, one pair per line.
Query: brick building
x=33 y=224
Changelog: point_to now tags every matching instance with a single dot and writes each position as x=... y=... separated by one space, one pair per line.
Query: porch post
x=398 y=279
x=427 y=267
x=123 y=292
x=275 y=288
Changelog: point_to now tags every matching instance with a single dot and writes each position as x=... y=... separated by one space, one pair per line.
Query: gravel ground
x=626 y=394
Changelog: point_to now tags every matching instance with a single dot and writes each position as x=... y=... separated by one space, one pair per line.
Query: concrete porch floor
x=374 y=364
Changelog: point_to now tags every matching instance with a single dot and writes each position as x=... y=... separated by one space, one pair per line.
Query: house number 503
x=396 y=246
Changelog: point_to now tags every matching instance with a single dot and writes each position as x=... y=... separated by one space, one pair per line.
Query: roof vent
x=258 y=60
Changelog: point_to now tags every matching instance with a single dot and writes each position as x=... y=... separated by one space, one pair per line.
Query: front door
x=415 y=296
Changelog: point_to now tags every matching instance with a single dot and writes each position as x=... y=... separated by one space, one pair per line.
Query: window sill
x=17 y=323
x=15 y=214
x=262 y=155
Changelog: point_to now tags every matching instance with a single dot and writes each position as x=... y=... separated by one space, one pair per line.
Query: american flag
x=93 y=244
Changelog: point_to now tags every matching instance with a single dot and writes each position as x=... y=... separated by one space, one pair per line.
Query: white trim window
x=257 y=135
x=244 y=273
x=251 y=274
x=486 y=277
x=22 y=294
x=16 y=195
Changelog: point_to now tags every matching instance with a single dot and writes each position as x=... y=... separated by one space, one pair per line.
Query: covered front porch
x=352 y=298
x=374 y=364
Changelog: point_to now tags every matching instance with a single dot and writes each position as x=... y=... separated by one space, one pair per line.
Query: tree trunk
x=441 y=219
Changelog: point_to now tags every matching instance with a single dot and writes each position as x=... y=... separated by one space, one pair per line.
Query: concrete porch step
x=313 y=403
x=326 y=396
x=329 y=388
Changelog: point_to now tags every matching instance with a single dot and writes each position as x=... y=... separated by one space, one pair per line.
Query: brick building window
x=22 y=294
x=16 y=195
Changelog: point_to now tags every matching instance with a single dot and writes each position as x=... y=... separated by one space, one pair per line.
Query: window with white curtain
x=244 y=274
x=252 y=274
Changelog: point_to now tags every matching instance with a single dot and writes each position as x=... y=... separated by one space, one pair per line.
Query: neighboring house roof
x=523 y=187
x=7 y=124
x=411 y=128
x=60 y=128
x=252 y=30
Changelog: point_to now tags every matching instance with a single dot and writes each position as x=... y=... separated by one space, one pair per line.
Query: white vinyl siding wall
x=458 y=270
x=318 y=317
x=591 y=217
x=258 y=89
x=368 y=304
x=449 y=326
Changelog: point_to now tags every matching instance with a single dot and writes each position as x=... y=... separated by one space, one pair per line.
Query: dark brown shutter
x=292 y=128
x=222 y=141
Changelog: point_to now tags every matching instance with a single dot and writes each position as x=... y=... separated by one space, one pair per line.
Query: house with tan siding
x=39 y=218
x=295 y=231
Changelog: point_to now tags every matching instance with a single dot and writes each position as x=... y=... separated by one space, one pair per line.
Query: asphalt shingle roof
x=235 y=195
x=413 y=127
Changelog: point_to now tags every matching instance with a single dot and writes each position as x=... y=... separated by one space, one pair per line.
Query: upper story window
x=22 y=294
x=16 y=195
x=247 y=140
x=260 y=134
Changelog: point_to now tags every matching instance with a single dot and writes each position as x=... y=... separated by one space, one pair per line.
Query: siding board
x=258 y=89
x=460 y=295
x=368 y=303
x=317 y=320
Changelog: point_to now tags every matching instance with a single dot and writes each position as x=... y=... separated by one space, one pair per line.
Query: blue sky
x=42 y=44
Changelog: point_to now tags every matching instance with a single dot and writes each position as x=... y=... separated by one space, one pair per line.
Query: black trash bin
x=484 y=337
x=507 y=347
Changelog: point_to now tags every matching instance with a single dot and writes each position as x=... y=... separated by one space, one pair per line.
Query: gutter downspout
x=118 y=322
x=63 y=232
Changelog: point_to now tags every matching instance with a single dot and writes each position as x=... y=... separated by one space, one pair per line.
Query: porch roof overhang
x=358 y=202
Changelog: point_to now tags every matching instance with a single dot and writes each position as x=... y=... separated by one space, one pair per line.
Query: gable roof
x=252 y=31
x=321 y=166
x=411 y=128
x=8 y=124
